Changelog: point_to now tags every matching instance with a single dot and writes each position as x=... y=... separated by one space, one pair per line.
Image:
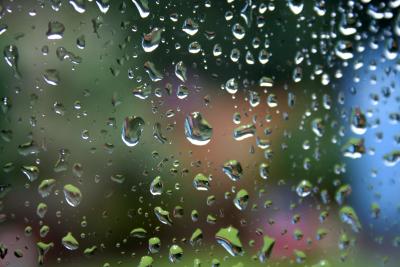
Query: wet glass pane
x=199 y=133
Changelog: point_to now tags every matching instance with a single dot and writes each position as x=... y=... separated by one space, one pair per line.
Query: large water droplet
x=55 y=30
x=11 y=56
x=296 y=6
x=163 y=215
x=175 y=253
x=73 y=195
x=349 y=216
x=197 y=130
x=46 y=186
x=146 y=261
x=238 y=31
x=52 y=77
x=304 y=188
x=70 y=242
x=180 y=71
x=151 y=41
x=392 y=158
x=244 y=131
x=233 y=169
x=228 y=238
x=354 y=148
x=232 y=86
x=138 y=233
x=103 y=5
x=201 y=182
x=132 y=130
x=196 y=237
x=156 y=186
x=143 y=7
x=78 y=5
x=241 y=199
x=153 y=73
x=190 y=27
x=31 y=172
x=154 y=245
x=266 y=249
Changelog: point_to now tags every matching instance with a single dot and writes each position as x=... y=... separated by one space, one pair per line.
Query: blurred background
x=315 y=83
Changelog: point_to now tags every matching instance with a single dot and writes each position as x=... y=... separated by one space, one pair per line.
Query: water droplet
x=318 y=127
x=228 y=238
x=349 y=216
x=300 y=256
x=103 y=5
x=73 y=195
x=297 y=74
x=182 y=91
x=138 y=233
x=238 y=31
x=132 y=130
x=304 y=188
x=153 y=73
x=264 y=170
x=157 y=133
x=142 y=91
x=272 y=101
x=343 y=192
x=266 y=82
x=233 y=169
x=344 y=49
x=156 y=186
x=354 y=148
x=201 y=182
x=146 y=261
x=154 y=245
x=175 y=253
x=190 y=27
x=55 y=30
x=266 y=249
x=41 y=210
x=143 y=7
x=46 y=186
x=163 y=215
x=52 y=77
x=235 y=55
x=90 y=251
x=11 y=56
x=44 y=230
x=254 y=98
x=43 y=248
x=78 y=5
x=231 y=86
x=241 y=199
x=296 y=6
x=151 y=41
x=196 y=237
x=217 y=50
x=322 y=263
x=81 y=42
x=194 y=47
x=244 y=131
x=31 y=172
x=180 y=71
x=69 y=242
x=392 y=158
x=197 y=130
